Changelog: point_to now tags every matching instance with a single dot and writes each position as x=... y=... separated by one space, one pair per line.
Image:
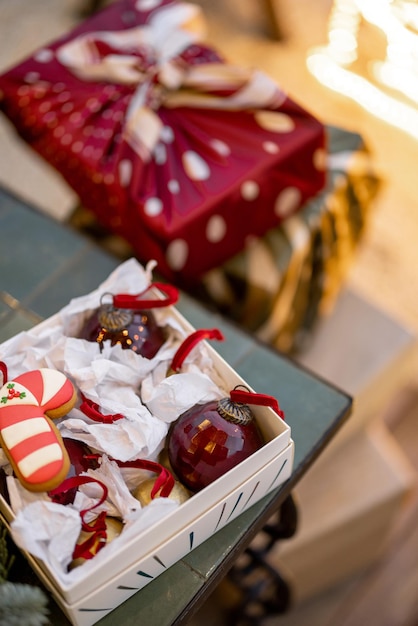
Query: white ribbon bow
x=169 y=32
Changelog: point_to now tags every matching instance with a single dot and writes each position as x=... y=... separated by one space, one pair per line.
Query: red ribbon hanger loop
x=3 y=370
x=190 y=342
x=95 y=542
x=76 y=481
x=165 y=480
x=92 y=410
x=243 y=396
x=138 y=302
x=97 y=528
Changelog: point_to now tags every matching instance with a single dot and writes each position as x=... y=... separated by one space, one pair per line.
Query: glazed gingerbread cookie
x=30 y=440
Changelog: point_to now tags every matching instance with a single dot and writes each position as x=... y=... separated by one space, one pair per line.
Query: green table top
x=43 y=264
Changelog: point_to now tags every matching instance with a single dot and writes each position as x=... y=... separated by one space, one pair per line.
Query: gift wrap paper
x=281 y=283
x=181 y=153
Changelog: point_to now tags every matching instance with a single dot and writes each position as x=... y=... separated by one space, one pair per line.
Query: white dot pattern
x=67 y=108
x=76 y=118
x=287 y=202
x=58 y=87
x=63 y=96
x=173 y=186
x=147 y=5
x=51 y=116
x=59 y=131
x=216 y=229
x=167 y=134
x=177 y=253
x=118 y=116
x=32 y=77
x=88 y=151
x=67 y=139
x=320 y=159
x=160 y=154
x=45 y=55
x=274 y=121
x=77 y=147
x=250 y=190
x=93 y=104
x=195 y=166
x=153 y=206
x=271 y=147
x=220 y=147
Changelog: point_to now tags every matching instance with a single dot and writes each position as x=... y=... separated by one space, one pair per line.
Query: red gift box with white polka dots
x=184 y=155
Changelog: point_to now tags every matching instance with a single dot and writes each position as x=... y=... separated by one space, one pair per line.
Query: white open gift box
x=164 y=531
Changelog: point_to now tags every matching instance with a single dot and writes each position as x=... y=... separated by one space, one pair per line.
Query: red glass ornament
x=128 y=321
x=210 y=439
x=136 y=330
x=81 y=459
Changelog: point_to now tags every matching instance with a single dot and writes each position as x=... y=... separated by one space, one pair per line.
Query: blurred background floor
x=384 y=270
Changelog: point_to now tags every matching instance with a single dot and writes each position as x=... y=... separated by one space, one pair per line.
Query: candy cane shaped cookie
x=30 y=440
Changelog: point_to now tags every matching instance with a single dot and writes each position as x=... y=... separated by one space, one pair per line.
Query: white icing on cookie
x=38 y=459
x=16 y=433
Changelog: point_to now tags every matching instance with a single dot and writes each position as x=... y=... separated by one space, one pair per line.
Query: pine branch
x=6 y=561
